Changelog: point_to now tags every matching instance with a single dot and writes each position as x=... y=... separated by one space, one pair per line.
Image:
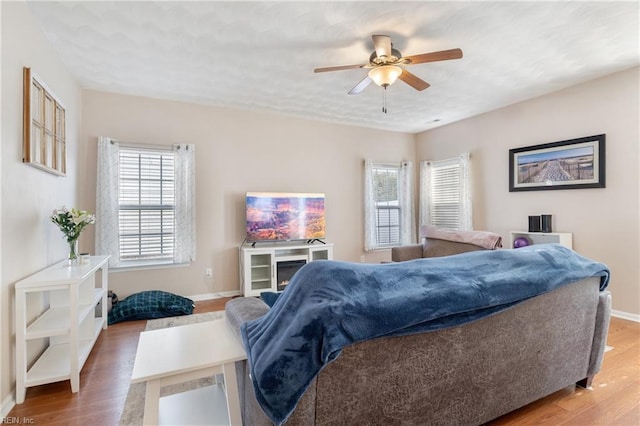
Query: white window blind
x=445 y=198
x=146 y=204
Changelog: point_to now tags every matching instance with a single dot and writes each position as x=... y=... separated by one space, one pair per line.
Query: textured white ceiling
x=261 y=55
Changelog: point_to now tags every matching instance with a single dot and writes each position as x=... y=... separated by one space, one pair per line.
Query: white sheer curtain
x=185 y=204
x=107 y=191
x=405 y=199
x=466 y=205
x=459 y=187
x=370 y=240
x=424 y=200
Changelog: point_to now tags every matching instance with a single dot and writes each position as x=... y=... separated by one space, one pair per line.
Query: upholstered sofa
x=465 y=375
x=439 y=242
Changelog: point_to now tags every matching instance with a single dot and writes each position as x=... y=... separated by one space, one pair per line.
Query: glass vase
x=73 y=252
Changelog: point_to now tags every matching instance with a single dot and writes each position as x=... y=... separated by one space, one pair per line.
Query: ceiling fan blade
x=382 y=43
x=360 y=86
x=443 y=55
x=413 y=80
x=339 y=68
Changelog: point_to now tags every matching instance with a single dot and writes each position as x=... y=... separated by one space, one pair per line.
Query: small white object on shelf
x=69 y=323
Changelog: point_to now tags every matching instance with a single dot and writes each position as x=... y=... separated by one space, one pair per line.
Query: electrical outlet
x=208 y=273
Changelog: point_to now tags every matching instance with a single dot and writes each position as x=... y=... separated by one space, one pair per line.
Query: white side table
x=179 y=354
x=69 y=322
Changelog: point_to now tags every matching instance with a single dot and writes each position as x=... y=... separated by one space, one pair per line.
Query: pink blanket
x=484 y=239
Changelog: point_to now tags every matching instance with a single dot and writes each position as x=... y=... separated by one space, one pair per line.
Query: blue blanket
x=329 y=305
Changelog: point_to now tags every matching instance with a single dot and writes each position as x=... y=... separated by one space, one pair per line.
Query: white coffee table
x=179 y=354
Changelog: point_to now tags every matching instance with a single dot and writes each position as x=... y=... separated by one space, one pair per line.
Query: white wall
x=239 y=151
x=29 y=240
x=604 y=221
x=4 y=405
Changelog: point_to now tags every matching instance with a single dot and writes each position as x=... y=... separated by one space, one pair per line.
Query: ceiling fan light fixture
x=385 y=75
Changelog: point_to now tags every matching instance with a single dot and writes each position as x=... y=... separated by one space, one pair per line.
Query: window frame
x=165 y=260
x=445 y=186
x=461 y=189
x=377 y=206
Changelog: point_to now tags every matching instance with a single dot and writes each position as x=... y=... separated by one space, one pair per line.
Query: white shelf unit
x=563 y=238
x=259 y=264
x=69 y=323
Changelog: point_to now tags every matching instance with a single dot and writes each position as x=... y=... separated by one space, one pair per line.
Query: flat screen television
x=283 y=216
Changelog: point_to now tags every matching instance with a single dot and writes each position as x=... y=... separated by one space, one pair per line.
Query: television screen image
x=284 y=216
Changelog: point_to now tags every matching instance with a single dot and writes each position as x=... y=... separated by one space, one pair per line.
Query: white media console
x=269 y=266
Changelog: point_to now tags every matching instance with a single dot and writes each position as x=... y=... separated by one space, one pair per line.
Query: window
x=444 y=193
x=145 y=206
x=388 y=205
x=445 y=196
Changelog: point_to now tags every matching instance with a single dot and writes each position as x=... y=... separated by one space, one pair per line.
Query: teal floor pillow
x=150 y=304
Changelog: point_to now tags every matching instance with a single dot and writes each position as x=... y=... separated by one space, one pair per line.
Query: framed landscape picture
x=571 y=164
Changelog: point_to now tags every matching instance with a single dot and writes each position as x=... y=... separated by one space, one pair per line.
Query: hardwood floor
x=614 y=398
x=104 y=381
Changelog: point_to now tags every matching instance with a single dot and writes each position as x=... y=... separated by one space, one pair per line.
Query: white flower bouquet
x=71 y=223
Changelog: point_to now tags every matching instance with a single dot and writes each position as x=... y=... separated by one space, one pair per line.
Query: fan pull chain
x=384 y=100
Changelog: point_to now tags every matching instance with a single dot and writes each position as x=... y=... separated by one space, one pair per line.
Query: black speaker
x=546 y=223
x=534 y=223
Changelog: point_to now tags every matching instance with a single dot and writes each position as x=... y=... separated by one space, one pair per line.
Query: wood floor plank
x=614 y=411
x=543 y=411
x=614 y=398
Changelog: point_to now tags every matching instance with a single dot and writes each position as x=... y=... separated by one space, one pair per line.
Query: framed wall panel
x=44 y=133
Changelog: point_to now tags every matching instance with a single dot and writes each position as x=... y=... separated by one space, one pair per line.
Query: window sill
x=142 y=265
x=382 y=248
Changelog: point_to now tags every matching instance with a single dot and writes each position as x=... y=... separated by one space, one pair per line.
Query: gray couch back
x=464 y=375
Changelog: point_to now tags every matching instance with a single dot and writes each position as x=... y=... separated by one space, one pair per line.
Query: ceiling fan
x=386 y=63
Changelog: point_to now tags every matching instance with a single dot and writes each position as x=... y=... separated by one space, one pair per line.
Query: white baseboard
x=625 y=315
x=209 y=296
x=7 y=405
